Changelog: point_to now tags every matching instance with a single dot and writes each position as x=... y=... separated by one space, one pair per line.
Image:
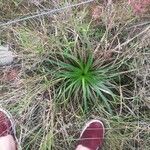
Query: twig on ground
x=44 y=13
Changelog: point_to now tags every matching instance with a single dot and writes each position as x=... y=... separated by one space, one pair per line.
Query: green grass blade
x=84 y=95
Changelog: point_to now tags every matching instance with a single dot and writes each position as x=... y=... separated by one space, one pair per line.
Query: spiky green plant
x=82 y=77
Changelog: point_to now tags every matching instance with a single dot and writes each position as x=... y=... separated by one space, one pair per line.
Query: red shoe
x=7 y=125
x=92 y=136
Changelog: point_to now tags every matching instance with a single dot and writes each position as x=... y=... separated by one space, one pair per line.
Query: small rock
x=140 y=6
x=11 y=75
x=97 y=12
x=6 y=56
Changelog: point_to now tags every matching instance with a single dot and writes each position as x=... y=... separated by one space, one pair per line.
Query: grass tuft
x=83 y=79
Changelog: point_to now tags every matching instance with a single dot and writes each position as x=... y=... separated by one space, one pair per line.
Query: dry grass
x=43 y=124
